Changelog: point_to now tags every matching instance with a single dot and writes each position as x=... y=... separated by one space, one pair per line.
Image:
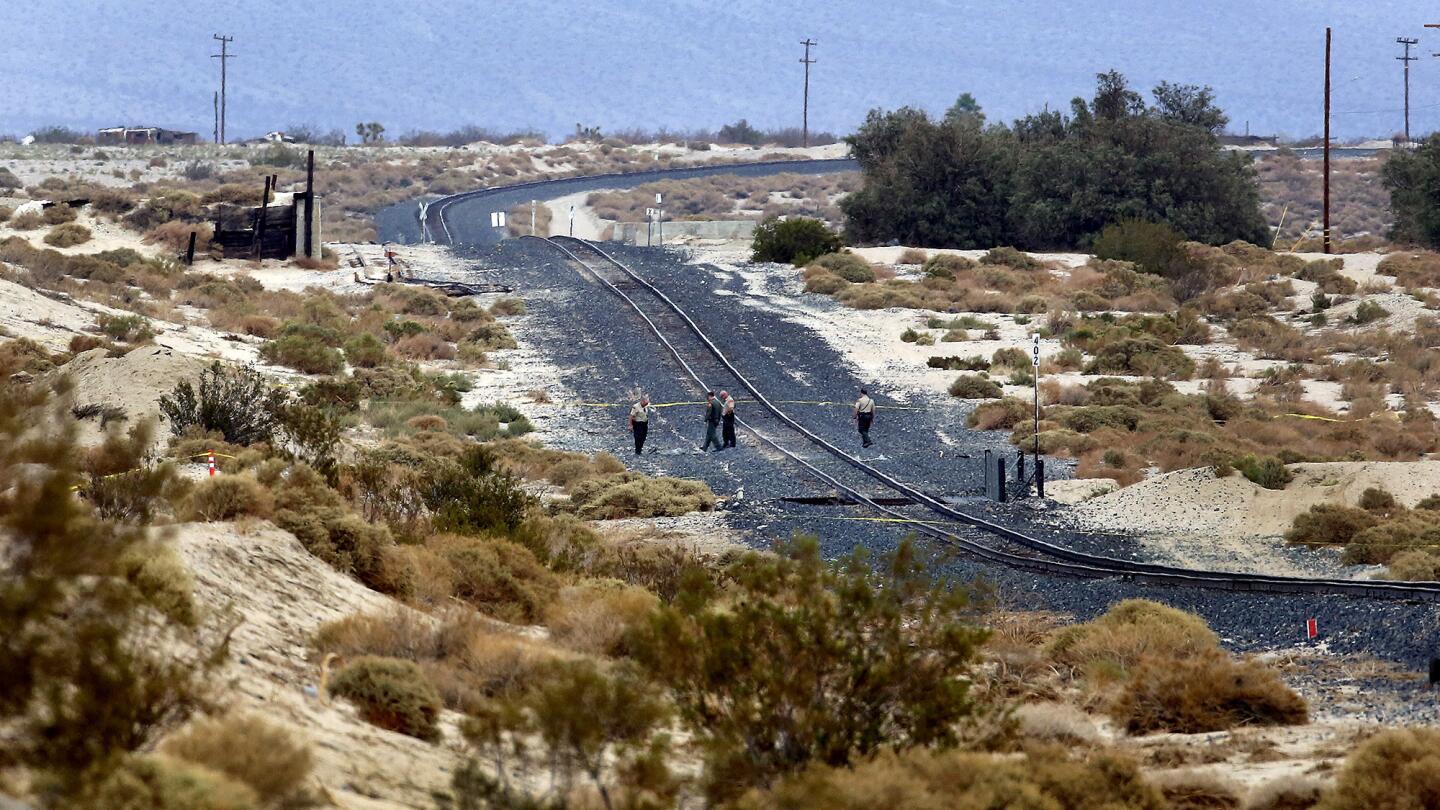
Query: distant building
x=143 y=136
x=1249 y=140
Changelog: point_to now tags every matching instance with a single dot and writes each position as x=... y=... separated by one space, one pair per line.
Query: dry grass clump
x=1286 y=793
x=847 y=266
x=1001 y=415
x=391 y=693
x=934 y=780
x=594 y=616
x=157 y=572
x=27 y=221
x=175 y=236
x=226 y=497
x=498 y=577
x=1113 y=643
x=68 y=234
x=1412 y=269
x=1206 y=691
x=1404 y=539
x=1397 y=768
x=168 y=783
x=1197 y=790
x=627 y=495
x=974 y=386
x=249 y=750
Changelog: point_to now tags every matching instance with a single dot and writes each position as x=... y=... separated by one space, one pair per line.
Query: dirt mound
x=1196 y=502
x=135 y=381
x=283 y=595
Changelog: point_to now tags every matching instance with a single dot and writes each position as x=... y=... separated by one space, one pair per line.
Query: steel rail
x=1063 y=560
x=435 y=212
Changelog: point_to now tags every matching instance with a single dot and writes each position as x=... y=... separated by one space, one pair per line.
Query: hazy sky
x=692 y=63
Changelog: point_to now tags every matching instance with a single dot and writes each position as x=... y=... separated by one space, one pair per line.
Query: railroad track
x=707 y=366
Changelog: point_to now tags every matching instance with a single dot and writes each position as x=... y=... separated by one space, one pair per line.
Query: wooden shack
x=288 y=224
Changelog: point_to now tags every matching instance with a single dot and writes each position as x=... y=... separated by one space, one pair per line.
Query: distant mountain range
x=685 y=64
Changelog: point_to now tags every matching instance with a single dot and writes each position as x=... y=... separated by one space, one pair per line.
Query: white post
x=532 y=217
x=572 y=219
x=659 y=219
x=1035 y=358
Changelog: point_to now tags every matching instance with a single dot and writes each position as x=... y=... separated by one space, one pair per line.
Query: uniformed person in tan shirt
x=640 y=422
x=864 y=416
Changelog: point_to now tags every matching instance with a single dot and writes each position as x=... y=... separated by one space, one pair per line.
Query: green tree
x=740 y=132
x=1413 y=179
x=373 y=132
x=798 y=661
x=965 y=109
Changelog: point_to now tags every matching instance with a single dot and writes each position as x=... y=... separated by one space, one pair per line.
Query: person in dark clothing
x=864 y=416
x=712 y=421
x=640 y=422
x=727 y=419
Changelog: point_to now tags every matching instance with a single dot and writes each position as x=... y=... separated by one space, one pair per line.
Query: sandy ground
x=587 y=224
x=283 y=595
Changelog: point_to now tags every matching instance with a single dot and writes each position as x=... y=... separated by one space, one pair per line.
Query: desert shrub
x=156 y=571
x=499 y=577
x=1197 y=790
x=159 y=782
x=238 y=402
x=58 y=214
x=797 y=240
x=1044 y=780
x=1204 y=691
x=128 y=328
x=946 y=265
x=756 y=672
x=956 y=363
x=27 y=221
x=226 y=497
x=911 y=256
x=1381 y=542
x=1414 y=566
x=1397 y=768
x=508 y=306
x=302 y=352
x=1010 y=357
x=249 y=750
x=1377 y=500
x=1292 y=792
x=1001 y=415
x=68 y=234
x=343 y=540
x=974 y=386
x=1010 y=257
x=392 y=694
x=1269 y=472
x=1368 y=312
x=1143 y=355
x=164 y=206
x=365 y=351
x=626 y=495
x=1329 y=525
x=5 y=213
x=594 y=616
x=175 y=236
x=1135 y=628
x=848 y=266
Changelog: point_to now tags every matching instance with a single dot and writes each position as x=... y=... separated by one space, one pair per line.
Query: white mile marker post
x=659 y=219
x=1035 y=375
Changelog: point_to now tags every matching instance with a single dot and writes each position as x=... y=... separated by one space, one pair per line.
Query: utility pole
x=805 y=109
x=1407 y=59
x=1325 y=235
x=224 y=56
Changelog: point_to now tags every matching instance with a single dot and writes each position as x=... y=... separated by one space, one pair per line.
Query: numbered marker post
x=212 y=463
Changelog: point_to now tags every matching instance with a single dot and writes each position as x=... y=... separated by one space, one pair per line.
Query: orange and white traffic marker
x=212 y=463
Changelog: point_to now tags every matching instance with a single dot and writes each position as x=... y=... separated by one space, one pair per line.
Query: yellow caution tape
x=1317 y=418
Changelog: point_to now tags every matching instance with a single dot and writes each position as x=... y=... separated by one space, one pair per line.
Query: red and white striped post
x=212 y=463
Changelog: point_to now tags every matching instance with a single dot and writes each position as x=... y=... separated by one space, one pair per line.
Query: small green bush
x=1329 y=525
x=1010 y=357
x=365 y=351
x=797 y=241
x=1001 y=415
x=226 y=497
x=627 y=495
x=159 y=782
x=974 y=386
x=1128 y=632
x=1377 y=500
x=1414 y=566
x=238 y=402
x=392 y=694
x=68 y=234
x=1269 y=472
x=508 y=306
x=848 y=266
x=956 y=363
x=1154 y=247
x=249 y=750
x=302 y=353
x=498 y=577
x=27 y=221
x=58 y=214
x=946 y=266
x=1010 y=257
x=1368 y=312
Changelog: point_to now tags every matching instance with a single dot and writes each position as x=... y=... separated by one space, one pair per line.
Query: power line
x=224 y=56
x=1407 y=59
x=805 y=109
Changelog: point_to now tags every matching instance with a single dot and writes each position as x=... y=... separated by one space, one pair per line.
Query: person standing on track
x=727 y=420
x=712 y=421
x=640 y=422
x=864 y=416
